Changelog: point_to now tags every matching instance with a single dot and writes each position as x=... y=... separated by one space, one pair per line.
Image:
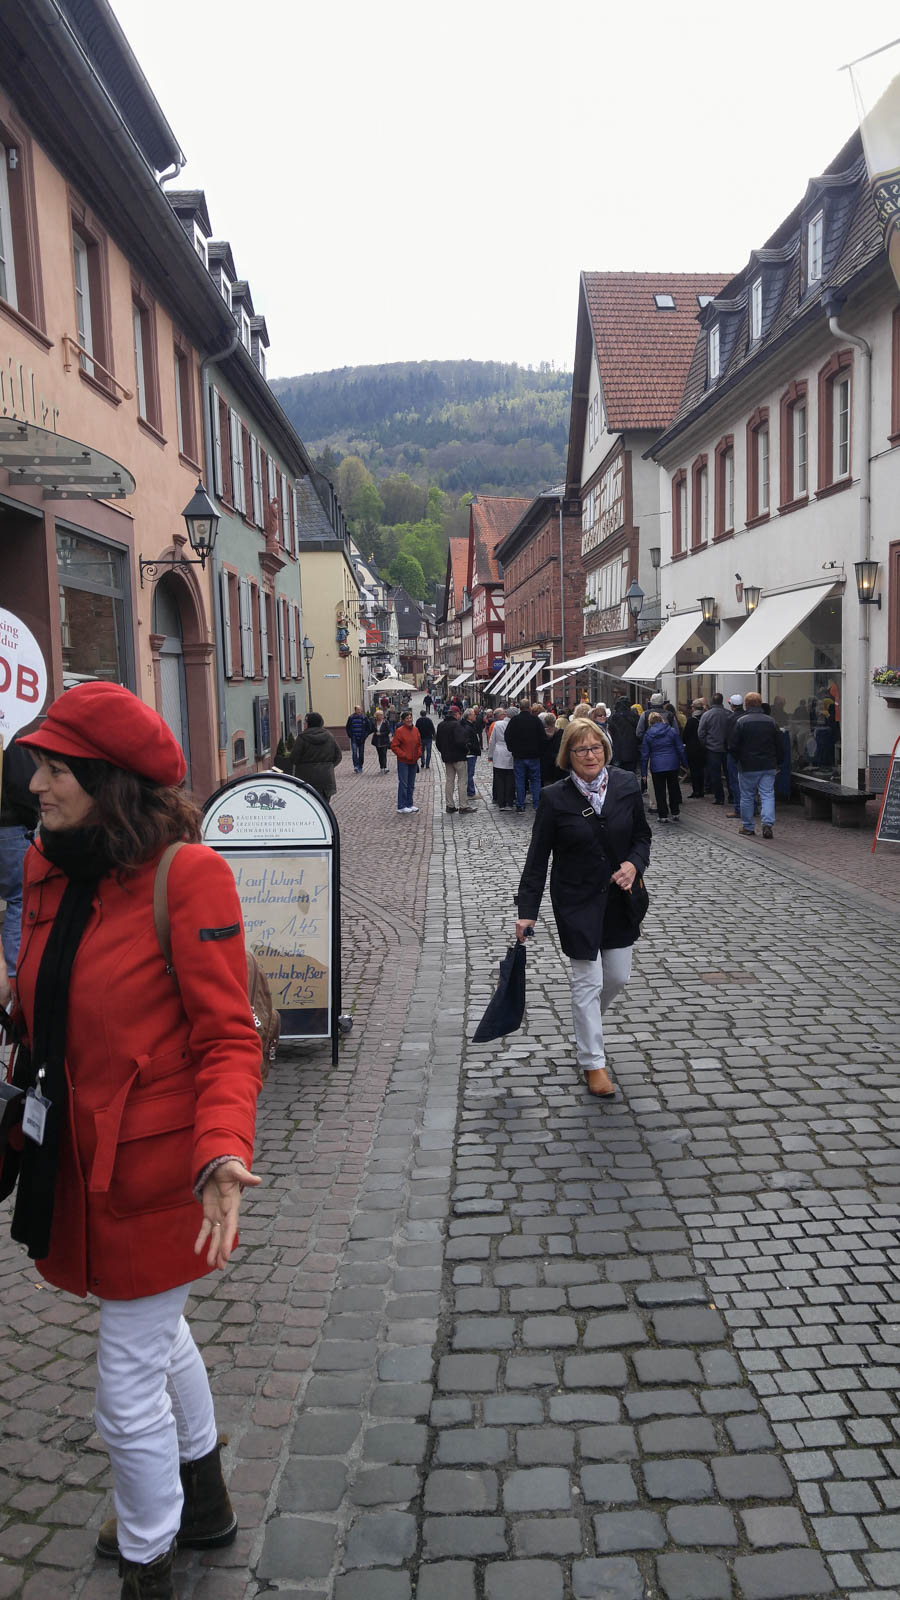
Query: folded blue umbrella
x=506 y=1007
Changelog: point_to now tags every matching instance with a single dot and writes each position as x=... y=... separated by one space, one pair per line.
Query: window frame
x=714 y=353
x=679 y=514
x=699 y=503
x=794 y=399
x=143 y=310
x=815 y=247
x=22 y=226
x=756 y=309
x=757 y=425
x=837 y=370
x=724 y=461
x=185 y=410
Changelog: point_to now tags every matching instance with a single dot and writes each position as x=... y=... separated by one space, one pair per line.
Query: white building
x=784 y=420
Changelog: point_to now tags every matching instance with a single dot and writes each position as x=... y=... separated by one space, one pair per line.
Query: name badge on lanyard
x=34 y=1115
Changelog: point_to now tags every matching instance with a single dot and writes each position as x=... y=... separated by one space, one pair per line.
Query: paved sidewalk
x=488 y=1339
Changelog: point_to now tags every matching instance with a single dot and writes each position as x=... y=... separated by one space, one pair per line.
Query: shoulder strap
x=161 y=902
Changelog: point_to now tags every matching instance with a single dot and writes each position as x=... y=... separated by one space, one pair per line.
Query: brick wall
x=531 y=589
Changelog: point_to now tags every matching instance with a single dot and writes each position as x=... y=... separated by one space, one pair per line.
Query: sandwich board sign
x=281 y=841
x=887 y=830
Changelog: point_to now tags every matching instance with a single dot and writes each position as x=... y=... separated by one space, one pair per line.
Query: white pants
x=455 y=783
x=153 y=1410
x=595 y=985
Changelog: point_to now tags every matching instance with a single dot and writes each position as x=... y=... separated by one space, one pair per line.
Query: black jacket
x=525 y=737
x=314 y=757
x=550 y=772
x=691 y=736
x=591 y=913
x=473 y=747
x=425 y=727
x=452 y=740
x=622 y=729
x=18 y=806
x=757 y=742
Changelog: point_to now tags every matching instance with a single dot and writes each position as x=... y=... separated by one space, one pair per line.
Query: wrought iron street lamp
x=866 y=579
x=309 y=651
x=635 y=599
x=202 y=522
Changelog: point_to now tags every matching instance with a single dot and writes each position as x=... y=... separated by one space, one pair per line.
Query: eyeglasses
x=595 y=751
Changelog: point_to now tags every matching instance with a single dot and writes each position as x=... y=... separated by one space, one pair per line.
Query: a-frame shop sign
x=281 y=840
x=887 y=830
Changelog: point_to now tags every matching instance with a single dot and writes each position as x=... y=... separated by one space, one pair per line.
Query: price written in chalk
x=286 y=904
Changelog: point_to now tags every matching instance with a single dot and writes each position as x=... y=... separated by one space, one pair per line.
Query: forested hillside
x=484 y=427
x=408 y=444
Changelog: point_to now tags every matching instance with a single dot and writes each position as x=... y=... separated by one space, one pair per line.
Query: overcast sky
x=408 y=180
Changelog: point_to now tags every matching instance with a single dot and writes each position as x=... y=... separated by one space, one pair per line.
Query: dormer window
x=245 y=329
x=756 y=309
x=200 y=244
x=815 y=235
x=261 y=360
x=224 y=287
x=713 y=354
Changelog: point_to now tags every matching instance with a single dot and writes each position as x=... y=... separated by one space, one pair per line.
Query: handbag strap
x=161 y=920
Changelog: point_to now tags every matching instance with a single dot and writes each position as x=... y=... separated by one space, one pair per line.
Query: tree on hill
x=406 y=571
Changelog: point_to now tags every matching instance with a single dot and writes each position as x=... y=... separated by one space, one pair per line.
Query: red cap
x=104 y=722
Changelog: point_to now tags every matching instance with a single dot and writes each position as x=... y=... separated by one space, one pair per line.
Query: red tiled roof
x=491 y=518
x=644 y=353
x=458 y=562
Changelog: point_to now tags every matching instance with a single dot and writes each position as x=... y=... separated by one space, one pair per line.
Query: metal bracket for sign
x=262 y=793
x=891 y=784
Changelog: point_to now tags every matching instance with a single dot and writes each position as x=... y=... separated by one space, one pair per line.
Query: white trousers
x=595 y=985
x=153 y=1410
x=455 y=782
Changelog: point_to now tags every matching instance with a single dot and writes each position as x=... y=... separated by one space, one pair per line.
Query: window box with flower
x=886 y=683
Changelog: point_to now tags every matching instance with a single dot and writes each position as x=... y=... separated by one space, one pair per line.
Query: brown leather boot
x=153 y=1581
x=207 y=1517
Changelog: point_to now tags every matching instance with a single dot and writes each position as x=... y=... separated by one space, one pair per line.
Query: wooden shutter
x=217 y=441
x=263 y=635
x=292 y=639
x=282 y=639
x=246 y=629
x=226 y=620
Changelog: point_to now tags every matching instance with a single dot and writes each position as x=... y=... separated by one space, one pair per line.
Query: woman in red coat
x=407 y=747
x=138 y=1139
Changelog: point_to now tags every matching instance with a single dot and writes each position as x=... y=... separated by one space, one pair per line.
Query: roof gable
x=491 y=518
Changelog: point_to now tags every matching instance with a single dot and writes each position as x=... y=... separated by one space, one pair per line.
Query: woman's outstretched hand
x=221 y=1204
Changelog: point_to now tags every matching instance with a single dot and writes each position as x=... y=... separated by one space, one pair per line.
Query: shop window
x=724 y=488
x=699 y=503
x=834 y=421
x=679 y=513
x=143 y=321
x=93 y=595
x=758 y=465
x=185 y=411
x=20 y=280
x=804 y=682
x=794 y=446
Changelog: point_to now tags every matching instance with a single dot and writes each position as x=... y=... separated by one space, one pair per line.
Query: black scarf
x=81 y=854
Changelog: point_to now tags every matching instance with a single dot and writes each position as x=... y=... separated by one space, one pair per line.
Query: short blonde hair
x=655 y=716
x=575 y=734
x=582 y=710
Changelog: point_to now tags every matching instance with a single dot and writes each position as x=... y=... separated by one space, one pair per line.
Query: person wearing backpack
x=130 y=1188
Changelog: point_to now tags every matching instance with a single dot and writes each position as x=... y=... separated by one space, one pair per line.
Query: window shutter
x=263 y=635
x=226 y=621
x=256 y=486
x=285 y=514
x=217 y=440
x=271 y=492
x=292 y=640
x=246 y=629
x=282 y=642
x=237 y=462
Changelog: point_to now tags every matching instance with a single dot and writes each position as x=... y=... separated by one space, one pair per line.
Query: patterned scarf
x=595 y=791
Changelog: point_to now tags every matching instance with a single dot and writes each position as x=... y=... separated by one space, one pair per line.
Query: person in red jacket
x=407 y=747
x=138 y=1140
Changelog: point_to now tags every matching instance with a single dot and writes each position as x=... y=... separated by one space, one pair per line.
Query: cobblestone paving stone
x=487 y=1338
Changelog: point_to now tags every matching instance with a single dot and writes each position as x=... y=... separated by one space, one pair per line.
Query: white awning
x=573 y=664
x=662 y=650
x=775 y=617
x=532 y=672
x=514 y=677
x=463 y=678
x=499 y=683
x=611 y=655
x=496 y=679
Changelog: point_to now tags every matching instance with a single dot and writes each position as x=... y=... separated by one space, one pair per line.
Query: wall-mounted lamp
x=866 y=578
x=655 y=556
x=751 y=598
x=707 y=604
x=635 y=599
x=202 y=522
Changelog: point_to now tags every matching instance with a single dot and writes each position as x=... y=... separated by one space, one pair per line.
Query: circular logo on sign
x=226 y=823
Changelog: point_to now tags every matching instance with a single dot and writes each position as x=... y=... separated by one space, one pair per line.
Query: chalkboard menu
x=888 y=829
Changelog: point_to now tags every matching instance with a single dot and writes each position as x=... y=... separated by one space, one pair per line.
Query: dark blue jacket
x=662 y=749
x=358 y=728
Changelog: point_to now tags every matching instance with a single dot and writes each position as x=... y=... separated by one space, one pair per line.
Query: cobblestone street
x=489 y=1339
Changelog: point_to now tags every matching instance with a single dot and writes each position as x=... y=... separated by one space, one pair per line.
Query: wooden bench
x=827 y=801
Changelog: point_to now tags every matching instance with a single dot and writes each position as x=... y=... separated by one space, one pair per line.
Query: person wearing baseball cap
x=736 y=702
x=131 y=1188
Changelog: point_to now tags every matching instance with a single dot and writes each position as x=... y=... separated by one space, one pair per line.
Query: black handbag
x=506 y=1007
x=12 y=1105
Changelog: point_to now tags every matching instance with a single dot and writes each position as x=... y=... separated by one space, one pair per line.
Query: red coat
x=407 y=744
x=162 y=1078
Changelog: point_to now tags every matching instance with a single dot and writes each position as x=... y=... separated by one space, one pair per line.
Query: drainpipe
x=170 y=172
x=222 y=735
x=562 y=584
x=832 y=303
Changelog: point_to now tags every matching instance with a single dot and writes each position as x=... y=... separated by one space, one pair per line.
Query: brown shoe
x=767 y=831
x=148 y=1581
x=600 y=1084
x=207 y=1518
